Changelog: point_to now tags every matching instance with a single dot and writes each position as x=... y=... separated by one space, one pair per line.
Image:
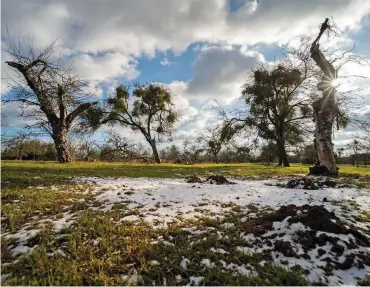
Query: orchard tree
x=51 y=95
x=277 y=109
x=355 y=146
x=192 y=151
x=213 y=141
x=269 y=153
x=118 y=148
x=148 y=109
x=17 y=143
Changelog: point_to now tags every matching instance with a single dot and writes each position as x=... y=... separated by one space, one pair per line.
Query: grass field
x=97 y=247
x=247 y=170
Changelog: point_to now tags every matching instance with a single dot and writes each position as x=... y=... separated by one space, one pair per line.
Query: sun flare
x=335 y=82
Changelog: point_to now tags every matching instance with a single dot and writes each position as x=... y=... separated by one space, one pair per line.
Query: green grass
x=59 y=172
x=124 y=248
x=34 y=191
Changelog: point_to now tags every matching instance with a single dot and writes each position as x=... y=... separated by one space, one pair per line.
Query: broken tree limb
x=325 y=110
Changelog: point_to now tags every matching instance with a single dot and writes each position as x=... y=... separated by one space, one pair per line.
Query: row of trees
x=280 y=101
x=115 y=149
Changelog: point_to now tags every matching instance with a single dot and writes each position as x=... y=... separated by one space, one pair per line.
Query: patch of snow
x=132 y=279
x=61 y=252
x=206 y=262
x=223 y=263
x=193 y=230
x=227 y=225
x=4 y=276
x=219 y=250
x=174 y=197
x=154 y=263
x=184 y=263
x=130 y=218
x=167 y=243
x=21 y=249
x=178 y=278
x=195 y=280
x=161 y=201
x=240 y=269
x=250 y=238
x=63 y=222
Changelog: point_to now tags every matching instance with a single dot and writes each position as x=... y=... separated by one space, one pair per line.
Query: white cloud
x=105 y=68
x=12 y=115
x=104 y=39
x=139 y=26
x=166 y=62
x=219 y=73
x=123 y=29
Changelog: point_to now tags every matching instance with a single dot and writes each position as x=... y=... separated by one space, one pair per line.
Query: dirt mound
x=317 y=218
x=218 y=179
x=310 y=184
x=193 y=179
x=310 y=233
x=213 y=179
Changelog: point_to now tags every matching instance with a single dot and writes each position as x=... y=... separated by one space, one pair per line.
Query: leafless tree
x=50 y=95
x=117 y=147
x=332 y=105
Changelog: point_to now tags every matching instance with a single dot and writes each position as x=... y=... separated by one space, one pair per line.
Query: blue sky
x=200 y=51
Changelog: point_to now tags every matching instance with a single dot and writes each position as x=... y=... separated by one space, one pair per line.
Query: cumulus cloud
x=141 y=26
x=220 y=71
x=105 y=39
x=105 y=68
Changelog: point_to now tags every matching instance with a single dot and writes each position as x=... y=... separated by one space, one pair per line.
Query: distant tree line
x=118 y=149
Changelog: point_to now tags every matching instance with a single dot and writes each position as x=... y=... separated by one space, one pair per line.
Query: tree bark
x=60 y=141
x=283 y=157
x=155 y=151
x=215 y=158
x=325 y=111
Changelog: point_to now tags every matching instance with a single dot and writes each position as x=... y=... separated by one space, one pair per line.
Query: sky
x=200 y=50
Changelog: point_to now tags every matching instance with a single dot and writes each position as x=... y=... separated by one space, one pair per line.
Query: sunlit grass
x=57 y=172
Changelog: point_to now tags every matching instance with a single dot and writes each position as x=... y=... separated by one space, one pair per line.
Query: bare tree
x=355 y=146
x=17 y=142
x=333 y=107
x=49 y=94
x=117 y=147
x=214 y=139
x=325 y=108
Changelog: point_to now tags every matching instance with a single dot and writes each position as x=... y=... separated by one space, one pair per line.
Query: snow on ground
x=311 y=260
x=164 y=200
x=161 y=201
x=28 y=231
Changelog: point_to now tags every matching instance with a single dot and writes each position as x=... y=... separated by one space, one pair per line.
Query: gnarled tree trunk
x=61 y=145
x=155 y=151
x=325 y=112
x=283 y=157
